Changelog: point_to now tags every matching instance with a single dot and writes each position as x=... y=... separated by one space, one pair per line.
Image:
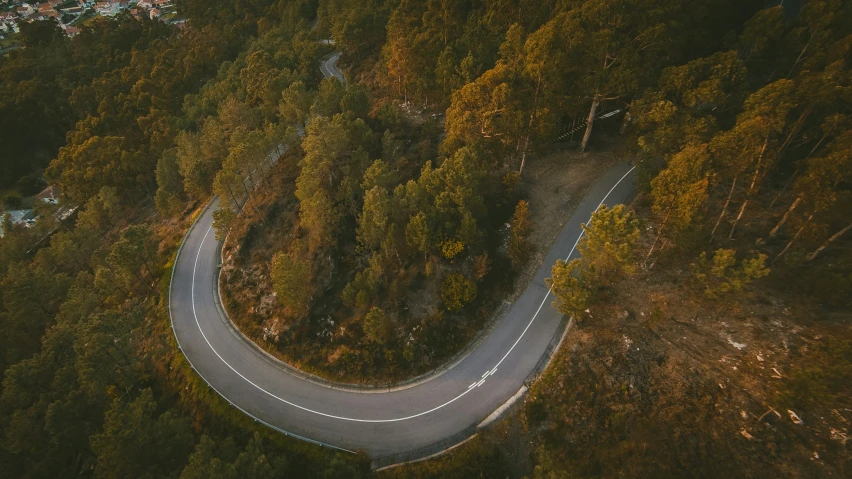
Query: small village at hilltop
x=71 y=14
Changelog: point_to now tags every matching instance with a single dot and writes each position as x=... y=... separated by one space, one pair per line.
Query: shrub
x=451 y=248
x=376 y=325
x=721 y=276
x=457 y=291
x=518 y=244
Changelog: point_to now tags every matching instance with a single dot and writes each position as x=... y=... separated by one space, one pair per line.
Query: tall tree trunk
x=750 y=189
x=248 y=193
x=524 y=156
x=793 y=239
x=625 y=121
x=799 y=58
x=798 y=168
x=724 y=208
x=234 y=199
x=840 y=233
x=115 y=283
x=794 y=130
x=786 y=185
x=737 y=219
x=243 y=182
x=662 y=247
x=589 y=123
x=659 y=233
x=533 y=114
x=784 y=218
x=148 y=267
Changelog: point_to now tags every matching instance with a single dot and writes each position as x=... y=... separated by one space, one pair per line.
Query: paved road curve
x=418 y=420
x=386 y=423
x=328 y=67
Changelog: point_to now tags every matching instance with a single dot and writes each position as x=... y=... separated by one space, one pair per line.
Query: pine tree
x=169 y=196
x=679 y=192
x=520 y=231
x=607 y=248
x=292 y=279
x=376 y=325
x=573 y=293
x=721 y=276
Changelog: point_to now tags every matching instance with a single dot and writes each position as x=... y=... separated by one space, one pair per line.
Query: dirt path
x=556 y=183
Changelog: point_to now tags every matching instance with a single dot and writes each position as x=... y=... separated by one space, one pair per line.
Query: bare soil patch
x=555 y=184
x=652 y=385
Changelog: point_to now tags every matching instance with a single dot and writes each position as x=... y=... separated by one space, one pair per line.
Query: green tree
x=378 y=174
x=751 y=147
x=229 y=185
x=134 y=256
x=721 y=276
x=83 y=167
x=199 y=157
x=295 y=104
x=573 y=293
x=355 y=101
x=30 y=297
x=679 y=192
x=520 y=231
x=819 y=193
x=374 y=219
x=102 y=212
x=457 y=291
x=364 y=289
x=607 y=247
x=487 y=110
x=223 y=219
x=688 y=104
x=36 y=34
x=205 y=460
x=325 y=146
x=136 y=441
x=607 y=53
x=376 y=325
x=292 y=279
x=417 y=233
x=328 y=98
x=169 y=197
x=105 y=347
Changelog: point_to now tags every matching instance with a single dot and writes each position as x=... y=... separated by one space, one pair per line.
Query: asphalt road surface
x=328 y=67
x=381 y=424
x=419 y=420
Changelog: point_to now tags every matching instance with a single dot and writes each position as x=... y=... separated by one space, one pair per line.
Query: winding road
x=328 y=67
x=391 y=426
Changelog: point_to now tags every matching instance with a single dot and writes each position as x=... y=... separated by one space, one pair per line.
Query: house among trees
x=16 y=217
x=24 y=10
x=51 y=193
x=72 y=10
x=105 y=8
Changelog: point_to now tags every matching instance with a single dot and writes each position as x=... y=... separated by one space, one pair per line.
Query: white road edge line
x=343 y=418
x=192 y=367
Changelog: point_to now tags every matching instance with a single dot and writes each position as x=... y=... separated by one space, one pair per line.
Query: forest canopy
x=406 y=178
